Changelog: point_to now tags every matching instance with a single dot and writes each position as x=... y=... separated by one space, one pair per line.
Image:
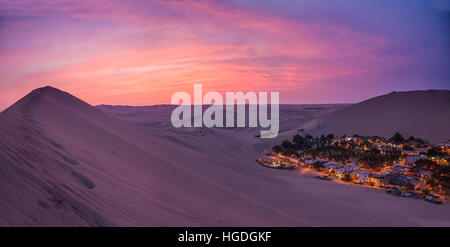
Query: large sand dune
x=64 y=162
x=423 y=114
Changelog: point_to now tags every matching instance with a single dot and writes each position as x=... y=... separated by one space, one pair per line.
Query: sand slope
x=423 y=114
x=64 y=162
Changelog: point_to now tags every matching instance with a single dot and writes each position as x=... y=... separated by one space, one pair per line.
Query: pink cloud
x=141 y=52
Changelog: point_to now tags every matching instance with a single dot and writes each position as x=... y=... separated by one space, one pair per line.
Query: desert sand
x=422 y=114
x=64 y=162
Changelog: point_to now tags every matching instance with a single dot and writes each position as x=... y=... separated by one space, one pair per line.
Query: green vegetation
x=342 y=151
x=375 y=154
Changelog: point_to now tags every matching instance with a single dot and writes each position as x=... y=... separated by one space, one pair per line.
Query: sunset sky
x=141 y=52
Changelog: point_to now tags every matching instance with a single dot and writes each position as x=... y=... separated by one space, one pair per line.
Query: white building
x=414 y=158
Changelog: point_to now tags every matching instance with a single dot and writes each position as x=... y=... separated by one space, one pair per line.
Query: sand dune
x=66 y=163
x=423 y=114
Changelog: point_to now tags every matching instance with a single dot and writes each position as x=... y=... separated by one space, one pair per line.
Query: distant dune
x=423 y=114
x=64 y=162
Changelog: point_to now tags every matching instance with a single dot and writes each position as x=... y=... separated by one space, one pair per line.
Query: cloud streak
x=140 y=52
